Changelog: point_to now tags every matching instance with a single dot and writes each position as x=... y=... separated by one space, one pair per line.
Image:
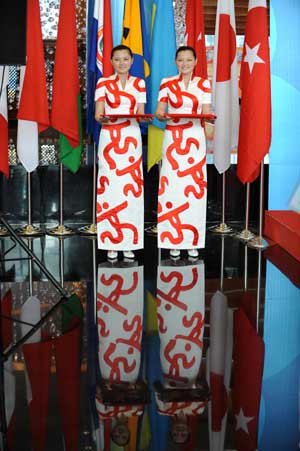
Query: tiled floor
x=163 y=351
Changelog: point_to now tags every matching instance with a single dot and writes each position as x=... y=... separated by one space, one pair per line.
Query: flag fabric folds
x=195 y=34
x=134 y=36
x=225 y=86
x=255 y=120
x=3 y=121
x=99 y=65
x=66 y=104
x=163 y=48
x=33 y=115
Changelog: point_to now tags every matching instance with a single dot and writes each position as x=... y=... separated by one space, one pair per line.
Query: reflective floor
x=152 y=354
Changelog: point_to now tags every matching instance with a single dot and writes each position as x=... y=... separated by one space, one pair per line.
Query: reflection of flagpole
x=258 y=290
x=61 y=261
x=222 y=264
x=30 y=270
x=246 y=269
x=95 y=277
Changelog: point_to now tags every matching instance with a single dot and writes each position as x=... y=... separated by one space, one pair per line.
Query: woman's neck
x=186 y=79
x=123 y=79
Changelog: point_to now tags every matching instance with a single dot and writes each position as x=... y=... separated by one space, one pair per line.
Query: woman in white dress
x=183 y=182
x=120 y=187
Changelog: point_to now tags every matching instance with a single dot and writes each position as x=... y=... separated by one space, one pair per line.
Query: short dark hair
x=183 y=48
x=121 y=47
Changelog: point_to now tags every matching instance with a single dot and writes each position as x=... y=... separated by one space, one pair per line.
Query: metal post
x=222 y=265
x=259 y=242
x=246 y=235
x=91 y=229
x=61 y=229
x=258 y=290
x=29 y=229
x=222 y=228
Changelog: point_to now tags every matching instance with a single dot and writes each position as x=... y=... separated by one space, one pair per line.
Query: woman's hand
x=102 y=119
x=161 y=117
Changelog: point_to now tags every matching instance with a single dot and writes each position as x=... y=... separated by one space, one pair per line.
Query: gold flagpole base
x=90 y=229
x=152 y=230
x=3 y=231
x=222 y=228
x=61 y=230
x=258 y=243
x=244 y=235
x=30 y=230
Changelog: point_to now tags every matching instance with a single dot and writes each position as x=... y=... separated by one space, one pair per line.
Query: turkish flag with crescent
x=248 y=358
x=255 y=84
x=225 y=86
x=195 y=34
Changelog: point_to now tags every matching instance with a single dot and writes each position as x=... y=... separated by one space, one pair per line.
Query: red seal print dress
x=120 y=293
x=120 y=193
x=180 y=312
x=183 y=182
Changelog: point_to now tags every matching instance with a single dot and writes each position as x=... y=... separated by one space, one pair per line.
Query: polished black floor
x=158 y=351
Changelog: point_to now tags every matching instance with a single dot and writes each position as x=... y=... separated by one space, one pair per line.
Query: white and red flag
x=248 y=358
x=225 y=86
x=255 y=121
x=195 y=34
x=3 y=121
x=219 y=361
x=33 y=115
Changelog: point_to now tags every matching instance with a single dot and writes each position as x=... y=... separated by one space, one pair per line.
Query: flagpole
x=61 y=261
x=246 y=269
x=91 y=229
x=29 y=229
x=246 y=234
x=258 y=289
x=222 y=265
x=61 y=229
x=222 y=228
x=259 y=242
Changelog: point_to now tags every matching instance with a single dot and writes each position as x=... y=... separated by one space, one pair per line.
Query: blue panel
x=278 y=422
x=284 y=170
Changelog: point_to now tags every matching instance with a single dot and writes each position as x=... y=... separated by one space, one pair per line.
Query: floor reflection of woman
x=120 y=202
x=182 y=187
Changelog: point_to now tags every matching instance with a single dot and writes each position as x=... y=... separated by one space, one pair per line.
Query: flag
x=255 y=120
x=163 y=49
x=33 y=115
x=66 y=104
x=117 y=14
x=3 y=121
x=225 y=86
x=195 y=34
x=248 y=360
x=134 y=36
x=99 y=65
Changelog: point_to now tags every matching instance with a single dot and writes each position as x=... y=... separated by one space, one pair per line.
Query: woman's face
x=185 y=62
x=121 y=61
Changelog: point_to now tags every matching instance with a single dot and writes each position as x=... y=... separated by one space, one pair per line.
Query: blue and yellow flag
x=135 y=37
x=163 y=48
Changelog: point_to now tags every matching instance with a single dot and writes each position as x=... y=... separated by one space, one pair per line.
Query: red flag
x=66 y=88
x=33 y=112
x=255 y=119
x=6 y=324
x=225 y=86
x=3 y=121
x=107 y=40
x=248 y=360
x=38 y=364
x=195 y=34
x=67 y=356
